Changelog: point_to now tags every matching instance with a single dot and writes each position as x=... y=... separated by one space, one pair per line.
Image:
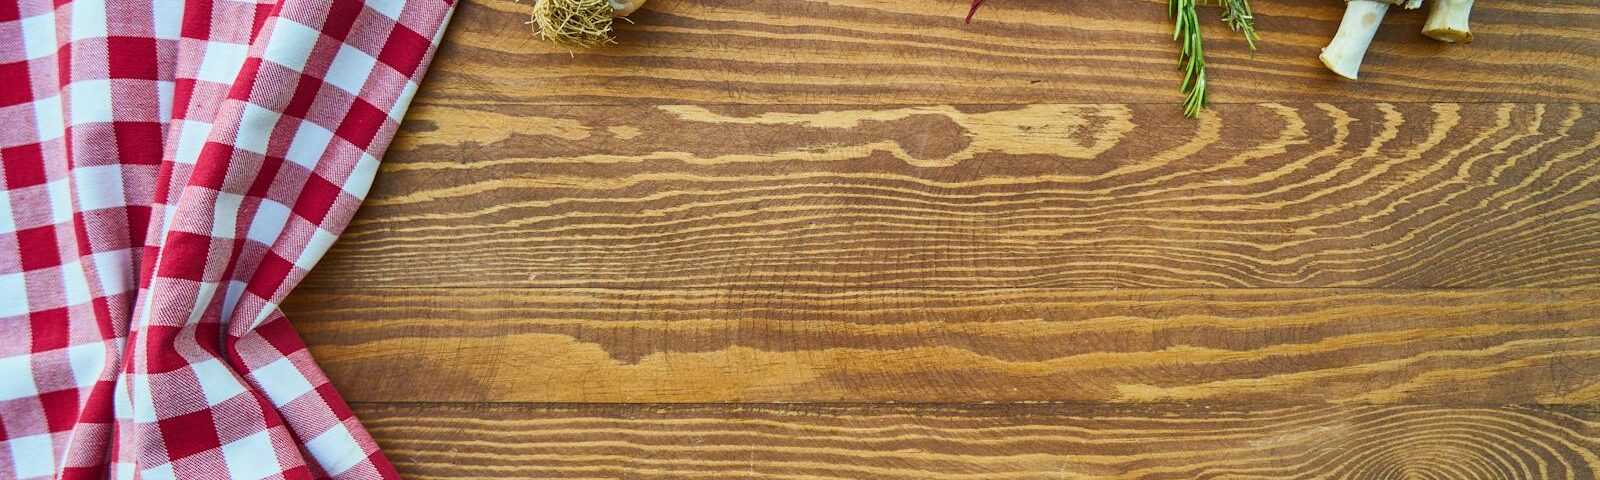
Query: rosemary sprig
x=1237 y=14
x=1191 y=55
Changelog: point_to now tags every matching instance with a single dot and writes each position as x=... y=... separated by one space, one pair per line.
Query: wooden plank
x=1135 y=346
x=985 y=442
x=1017 y=52
x=1091 y=196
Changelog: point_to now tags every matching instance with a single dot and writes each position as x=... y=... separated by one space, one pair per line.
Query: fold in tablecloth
x=171 y=169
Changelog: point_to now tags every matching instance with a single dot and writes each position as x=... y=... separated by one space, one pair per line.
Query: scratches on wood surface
x=1165 y=345
x=873 y=52
x=986 y=441
x=1095 y=196
x=866 y=201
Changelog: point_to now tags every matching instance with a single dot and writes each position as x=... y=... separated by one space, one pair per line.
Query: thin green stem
x=1191 y=55
x=1237 y=14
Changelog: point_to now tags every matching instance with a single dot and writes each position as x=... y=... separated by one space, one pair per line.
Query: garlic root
x=580 y=23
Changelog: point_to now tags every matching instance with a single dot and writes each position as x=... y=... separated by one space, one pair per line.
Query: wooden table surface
x=858 y=239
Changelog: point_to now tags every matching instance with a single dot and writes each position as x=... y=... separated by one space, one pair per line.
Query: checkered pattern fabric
x=171 y=169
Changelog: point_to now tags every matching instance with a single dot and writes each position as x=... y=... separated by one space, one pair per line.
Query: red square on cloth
x=38 y=248
x=43 y=327
x=362 y=124
x=16 y=87
x=134 y=140
x=182 y=245
x=60 y=409
x=400 y=52
x=23 y=165
x=317 y=199
x=189 y=434
x=132 y=57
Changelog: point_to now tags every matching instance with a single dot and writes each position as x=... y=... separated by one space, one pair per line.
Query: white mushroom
x=1361 y=18
x=1447 y=21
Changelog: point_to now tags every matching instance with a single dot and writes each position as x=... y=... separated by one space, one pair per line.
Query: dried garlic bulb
x=580 y=23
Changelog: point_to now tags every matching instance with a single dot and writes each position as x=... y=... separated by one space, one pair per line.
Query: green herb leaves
x=1236 y=13
x=1191 y=55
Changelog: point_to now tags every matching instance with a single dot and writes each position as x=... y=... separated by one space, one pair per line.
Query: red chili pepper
x=975 y=5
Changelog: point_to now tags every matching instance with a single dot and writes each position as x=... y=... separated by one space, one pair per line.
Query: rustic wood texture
x=1238 y=346
x=1303 y=195
x=874 y=52
x=987 y=442
x=845 y=203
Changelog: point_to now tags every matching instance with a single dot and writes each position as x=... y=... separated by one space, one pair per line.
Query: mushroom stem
x=1343 y=54
x=1447 y=21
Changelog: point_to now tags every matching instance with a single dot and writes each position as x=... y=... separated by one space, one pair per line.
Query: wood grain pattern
x=866 y=201
x=1094 y=196
x=1018 y=52
x=986 y=442
x=1166 y=345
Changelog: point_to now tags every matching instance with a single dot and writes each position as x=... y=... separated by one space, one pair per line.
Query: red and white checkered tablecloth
x=171 y=169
